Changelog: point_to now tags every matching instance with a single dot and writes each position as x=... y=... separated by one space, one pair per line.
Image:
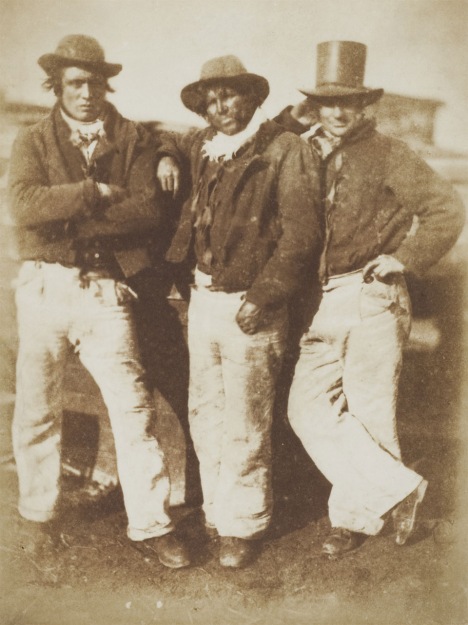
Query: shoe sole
x=173 y=565
x=148 y=551
x=402 y=537
x=236 y=565
x=340 y=554
x=337 y=556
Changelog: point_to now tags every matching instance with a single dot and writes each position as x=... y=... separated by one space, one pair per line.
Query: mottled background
x=416 y=47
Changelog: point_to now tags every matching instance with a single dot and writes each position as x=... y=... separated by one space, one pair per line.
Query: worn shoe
x=168 y=548
x=339 y=542
x=39 y=539
x=237 y=553
x=404 y=514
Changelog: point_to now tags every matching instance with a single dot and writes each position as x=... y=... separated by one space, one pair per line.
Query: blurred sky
x=416 y=47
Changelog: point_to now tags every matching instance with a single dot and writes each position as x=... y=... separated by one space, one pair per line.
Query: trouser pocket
x=378 y=296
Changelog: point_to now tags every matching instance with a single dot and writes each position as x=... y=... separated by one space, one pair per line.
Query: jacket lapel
x=254 y=161
x=331 y=166
x=111 y=158
x=70 y=162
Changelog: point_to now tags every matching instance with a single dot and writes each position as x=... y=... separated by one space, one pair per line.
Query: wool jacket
x=265 y=231
x=373 y=186
x=54 y=202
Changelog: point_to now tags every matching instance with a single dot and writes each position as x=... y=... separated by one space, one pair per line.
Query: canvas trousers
x=58 y=313
x=342 y=402
x=231 y=396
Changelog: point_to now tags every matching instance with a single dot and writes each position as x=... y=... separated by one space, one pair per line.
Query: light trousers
x=231 y=396
x=343 y=398
x=57 y=313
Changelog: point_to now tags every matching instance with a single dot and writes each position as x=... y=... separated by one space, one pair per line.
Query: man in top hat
x=386 y=214
x=83 y=199
x=250 y=224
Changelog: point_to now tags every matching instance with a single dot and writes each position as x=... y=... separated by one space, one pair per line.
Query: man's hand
x=382 y=267
x=304 y=113
x=112 y=193
x=168 y=174
x=249 y=317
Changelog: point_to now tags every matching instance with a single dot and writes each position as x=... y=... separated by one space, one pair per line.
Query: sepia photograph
x=234 y=316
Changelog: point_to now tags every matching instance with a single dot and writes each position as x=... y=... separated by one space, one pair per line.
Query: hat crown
x=341 y=63
x=227 y=70
x=80 y=48
x=227 y=66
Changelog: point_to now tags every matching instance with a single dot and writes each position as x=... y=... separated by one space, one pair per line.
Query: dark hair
x=242 y=88
x=53 y=82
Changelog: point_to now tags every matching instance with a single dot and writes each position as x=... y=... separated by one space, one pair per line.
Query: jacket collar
x=267 y=131
x=265 y=135
x=252 y=149
x=225 y=147
x=75 y=164
x=118 y=135
x=361 y=131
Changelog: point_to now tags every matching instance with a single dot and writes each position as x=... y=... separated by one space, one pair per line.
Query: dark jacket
x=267 y=231
x=379 y=185
x=54 y=201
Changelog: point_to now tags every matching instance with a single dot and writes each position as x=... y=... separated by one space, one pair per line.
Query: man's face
x=83 y=94
x=339 y=117
x=227 y=110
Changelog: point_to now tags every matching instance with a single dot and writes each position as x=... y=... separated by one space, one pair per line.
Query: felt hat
x=227 y=70
x=79 y=51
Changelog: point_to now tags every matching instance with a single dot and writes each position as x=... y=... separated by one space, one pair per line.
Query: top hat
x=225 y=70
x=340 y=73
x=79 y=51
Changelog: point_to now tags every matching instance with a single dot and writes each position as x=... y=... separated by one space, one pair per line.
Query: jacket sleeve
x=286 y=120
x=33 y=201
x=140 y=208
x=140 y=201
x=179 y=145
x=298 y=200
x=440 y=211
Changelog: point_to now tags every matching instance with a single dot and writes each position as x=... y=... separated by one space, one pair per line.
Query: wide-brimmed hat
x=340 y=73
x=225 y=70
x=79 y=51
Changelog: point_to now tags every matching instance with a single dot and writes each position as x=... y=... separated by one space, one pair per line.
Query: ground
x=95 y=577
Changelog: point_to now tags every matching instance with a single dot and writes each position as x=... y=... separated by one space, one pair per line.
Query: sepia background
x=418 y=52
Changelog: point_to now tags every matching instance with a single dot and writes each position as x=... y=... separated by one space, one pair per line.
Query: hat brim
x=193 y=98
x=327 y=93
x=52 y=62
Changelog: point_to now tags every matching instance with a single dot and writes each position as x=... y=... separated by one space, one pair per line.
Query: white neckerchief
x=226 y=146
x=322 y=140
x=85 y=129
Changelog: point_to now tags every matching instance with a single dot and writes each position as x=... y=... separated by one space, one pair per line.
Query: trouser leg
x=232 y=387
x=373 y=358
x=244 y=492
x=367 y=481
x=109 y=350
x=206 y=398
x=37 y=421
